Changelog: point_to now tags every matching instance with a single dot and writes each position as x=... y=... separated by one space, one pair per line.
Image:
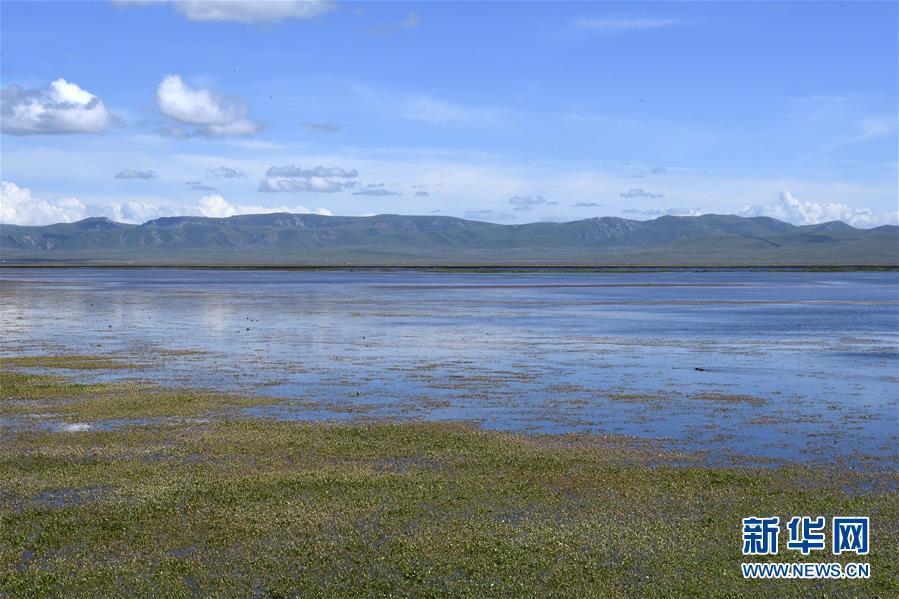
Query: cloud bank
x=19 y=207
x=793 y=210
x=215 y=206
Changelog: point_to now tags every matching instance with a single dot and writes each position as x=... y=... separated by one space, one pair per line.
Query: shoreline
x=463 y=268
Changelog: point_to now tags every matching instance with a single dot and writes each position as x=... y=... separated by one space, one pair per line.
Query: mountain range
x=396 y=240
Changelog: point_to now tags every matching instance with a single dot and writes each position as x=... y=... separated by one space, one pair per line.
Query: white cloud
x=319 y=179
x=62 y=107
x=132 y=212
x=208 y=112
x=242 y=11
x=254 y=11
x=792 y=210
x=215 y=206
x=18 y=207
x=610 y=24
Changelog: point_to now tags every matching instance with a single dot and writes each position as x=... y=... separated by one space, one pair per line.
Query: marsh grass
x=236 y=506
x=88 y=362
x=23 y=392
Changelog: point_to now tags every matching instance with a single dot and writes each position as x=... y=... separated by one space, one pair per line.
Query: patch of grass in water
x=24 y=394
x=88 y=362
x=726 y=398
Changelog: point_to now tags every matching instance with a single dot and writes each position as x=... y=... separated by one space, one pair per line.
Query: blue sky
x=509 y=112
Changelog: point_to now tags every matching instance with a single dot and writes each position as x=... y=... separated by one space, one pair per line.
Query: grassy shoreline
x=189 y=497
x=461 y=268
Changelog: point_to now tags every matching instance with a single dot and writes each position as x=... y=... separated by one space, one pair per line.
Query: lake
x=781 y=365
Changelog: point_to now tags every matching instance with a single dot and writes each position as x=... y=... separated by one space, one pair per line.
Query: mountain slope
x=394 y=239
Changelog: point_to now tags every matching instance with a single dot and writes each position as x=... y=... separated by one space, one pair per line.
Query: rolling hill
x=308 y=239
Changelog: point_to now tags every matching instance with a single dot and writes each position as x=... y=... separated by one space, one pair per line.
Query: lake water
x=795 y=365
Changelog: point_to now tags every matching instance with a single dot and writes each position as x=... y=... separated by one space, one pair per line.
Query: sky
x=505 y=112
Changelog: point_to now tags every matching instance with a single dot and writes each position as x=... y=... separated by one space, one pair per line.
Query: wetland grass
x=200 y=500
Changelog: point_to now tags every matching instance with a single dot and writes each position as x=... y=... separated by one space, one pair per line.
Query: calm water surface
x=778 y=364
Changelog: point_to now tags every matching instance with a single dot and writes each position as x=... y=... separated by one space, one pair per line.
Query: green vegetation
x=64 y=362
x=198 y=500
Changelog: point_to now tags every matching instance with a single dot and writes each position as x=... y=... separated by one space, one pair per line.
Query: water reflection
x=779 y=364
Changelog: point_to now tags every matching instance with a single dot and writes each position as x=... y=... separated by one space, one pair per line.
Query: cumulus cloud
x=215 y=206
x=587 y=205
x=522 y=203
x=793 y=210
x=133 y=174
x=640 y=193
x=318 y=179
x=19 y=207
x=321 y=128
x=132 y=212
x=489 y=215
x=224 y=172
x=244 y=11
x=63 y=107
x=202 y=111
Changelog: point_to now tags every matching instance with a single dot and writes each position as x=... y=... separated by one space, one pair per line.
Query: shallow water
x=812 y=358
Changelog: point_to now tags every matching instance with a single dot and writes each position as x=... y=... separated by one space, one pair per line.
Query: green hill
x=308 y=239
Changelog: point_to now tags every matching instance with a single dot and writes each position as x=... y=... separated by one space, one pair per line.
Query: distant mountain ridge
x=309 y=239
